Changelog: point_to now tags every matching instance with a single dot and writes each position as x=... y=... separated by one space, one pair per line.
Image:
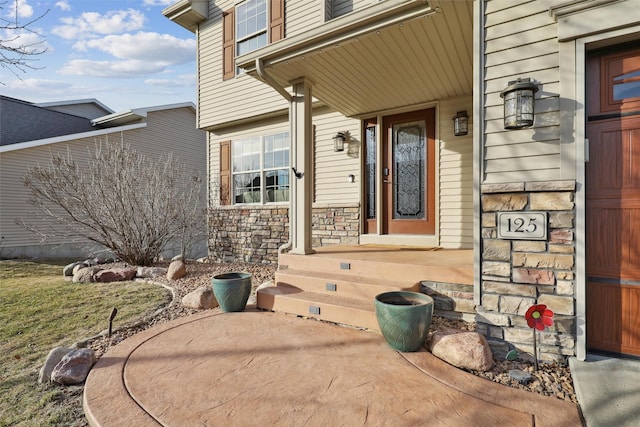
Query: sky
x=124 y=53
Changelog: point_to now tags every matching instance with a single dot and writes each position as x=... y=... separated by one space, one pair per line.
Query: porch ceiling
x=392 y=54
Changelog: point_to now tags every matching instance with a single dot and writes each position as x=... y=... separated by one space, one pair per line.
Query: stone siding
x=254 y=234
x=451 y=300
x=333 y=225
x=519 y=273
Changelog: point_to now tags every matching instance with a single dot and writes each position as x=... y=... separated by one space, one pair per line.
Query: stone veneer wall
x=333 y=225
x=519 y=273
x=254 y=234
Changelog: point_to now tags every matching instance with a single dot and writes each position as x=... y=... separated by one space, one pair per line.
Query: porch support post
x=302 y=162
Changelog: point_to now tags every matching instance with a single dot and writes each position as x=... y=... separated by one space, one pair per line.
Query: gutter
x=265 y=77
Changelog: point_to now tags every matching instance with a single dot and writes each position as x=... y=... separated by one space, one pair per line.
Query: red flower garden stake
x=538 y=317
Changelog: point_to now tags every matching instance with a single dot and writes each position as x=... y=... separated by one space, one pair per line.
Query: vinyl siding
x=242 y=97
x=167 y=131
x=521 y=41
x=455 y=178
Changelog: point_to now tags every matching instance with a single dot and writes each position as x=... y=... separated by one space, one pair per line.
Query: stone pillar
x=519 y=273
x=302 y=162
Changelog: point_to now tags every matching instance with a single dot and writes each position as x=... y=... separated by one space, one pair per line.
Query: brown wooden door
x=408 y=189
x=613 y=205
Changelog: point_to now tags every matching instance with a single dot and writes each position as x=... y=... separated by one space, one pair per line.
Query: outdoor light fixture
x=338 y=142
x=518 y=103
x=461 y=123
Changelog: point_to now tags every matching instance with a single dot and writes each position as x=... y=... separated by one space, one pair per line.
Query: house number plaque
x=522 y=225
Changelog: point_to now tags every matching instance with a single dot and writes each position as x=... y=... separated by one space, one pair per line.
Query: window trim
x=261 y=171
x=275 y=32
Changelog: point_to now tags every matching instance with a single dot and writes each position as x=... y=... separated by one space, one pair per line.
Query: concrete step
x=344 y=264
x=355 y=312
x=350 y=286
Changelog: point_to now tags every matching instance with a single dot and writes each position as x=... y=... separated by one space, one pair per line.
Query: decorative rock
x=203 y=260
x=78 y=266
x=115 y=275
x=176 y=270
x=74 y=367
x=53 y=358
x=521 y=376
x=85 y=275
x=201 y=299
x=177 y=258
x=151 y=272
x=68 y=270
x=463 y=349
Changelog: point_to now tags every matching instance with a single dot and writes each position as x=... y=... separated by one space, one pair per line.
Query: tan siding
x=224 y=101
x=455 y=198
x=332 y=169
x=300 y=16
x=521 y=41
x=167 y=131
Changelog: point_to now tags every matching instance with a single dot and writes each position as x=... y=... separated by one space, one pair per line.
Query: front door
x=408 y=168
x=613 y=201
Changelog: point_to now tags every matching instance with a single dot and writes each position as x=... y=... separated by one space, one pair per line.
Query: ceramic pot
x=404 y=318
x=232 y=290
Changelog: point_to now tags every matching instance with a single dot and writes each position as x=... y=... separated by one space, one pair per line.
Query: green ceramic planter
x=232 y=290
x=404 y=318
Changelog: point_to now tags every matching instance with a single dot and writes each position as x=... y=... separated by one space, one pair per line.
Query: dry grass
x=39 y=310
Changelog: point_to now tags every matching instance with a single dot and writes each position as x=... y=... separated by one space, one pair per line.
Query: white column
x=302 y=162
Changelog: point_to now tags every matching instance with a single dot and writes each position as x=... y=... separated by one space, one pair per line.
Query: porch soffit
x=390 y=55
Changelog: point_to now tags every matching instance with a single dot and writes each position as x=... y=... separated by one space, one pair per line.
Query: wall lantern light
x=461 y=123
x=338 y=142
x=518 y=103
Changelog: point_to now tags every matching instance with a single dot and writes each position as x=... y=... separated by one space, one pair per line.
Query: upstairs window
x=252 y=24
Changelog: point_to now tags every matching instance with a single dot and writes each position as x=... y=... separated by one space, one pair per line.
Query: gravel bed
x=552 y=379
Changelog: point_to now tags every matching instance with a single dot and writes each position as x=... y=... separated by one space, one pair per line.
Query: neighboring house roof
x=24 y=121
x=112 y=123
x=136 y=115
x=89 y=108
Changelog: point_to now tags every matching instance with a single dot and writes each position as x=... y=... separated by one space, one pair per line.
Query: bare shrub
x=121 y=199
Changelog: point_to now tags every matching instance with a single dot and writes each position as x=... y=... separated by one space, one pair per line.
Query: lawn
x=39 y=310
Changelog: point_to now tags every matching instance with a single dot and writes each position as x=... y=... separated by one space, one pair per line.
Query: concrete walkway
x=608 y=390
x=262 y=368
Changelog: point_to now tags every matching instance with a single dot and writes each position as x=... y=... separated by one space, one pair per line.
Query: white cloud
x=63 y=5
x=185 y=80
x=30 y=41
x=152 y=47
x=158 y=2
x=22 y=8
x=38 y=85
x=93 y=24
x=111 y=69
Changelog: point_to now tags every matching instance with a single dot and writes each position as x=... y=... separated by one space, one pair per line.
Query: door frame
x=375 y=234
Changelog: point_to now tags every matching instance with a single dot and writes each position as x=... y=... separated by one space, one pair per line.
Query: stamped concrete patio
x=263 y=368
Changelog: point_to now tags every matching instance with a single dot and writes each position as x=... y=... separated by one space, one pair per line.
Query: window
x=252 y=24
x=260 y=169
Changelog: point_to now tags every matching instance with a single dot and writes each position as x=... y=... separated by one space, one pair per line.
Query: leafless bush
x=131 y=204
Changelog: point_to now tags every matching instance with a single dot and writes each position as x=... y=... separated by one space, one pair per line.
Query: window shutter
x=276 y=24
x=225 y=173
x=228 y=44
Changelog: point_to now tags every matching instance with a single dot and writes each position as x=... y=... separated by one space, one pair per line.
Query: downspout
x=292 y=147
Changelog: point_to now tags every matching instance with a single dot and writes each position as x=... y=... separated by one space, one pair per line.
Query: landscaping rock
x=85 y=275
x=201 y=299
x=115 y=275
x=78 y=266
x=74 y=367
x=151 y=272
x=177 y=258
x=177 y=270
x=53 y=358
x=468 y=350
x=68 y=270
